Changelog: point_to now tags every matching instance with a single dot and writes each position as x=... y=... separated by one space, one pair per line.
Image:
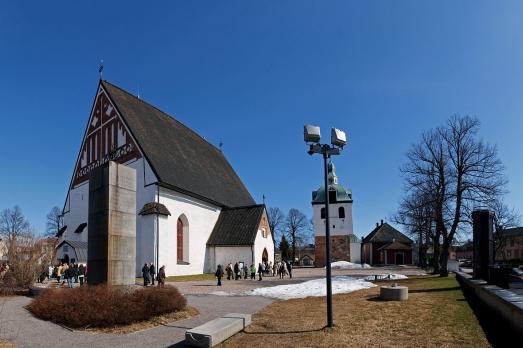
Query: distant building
x=385 y=245
x=304 y=256
x=344 y=245
x=513 y=245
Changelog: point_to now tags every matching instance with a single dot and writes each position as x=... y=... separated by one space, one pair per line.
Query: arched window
x=322 y=212
x=264 y=233
x=341 y=213
x=182 y=239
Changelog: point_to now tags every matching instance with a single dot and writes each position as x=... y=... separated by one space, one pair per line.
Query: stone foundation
x=340 y=249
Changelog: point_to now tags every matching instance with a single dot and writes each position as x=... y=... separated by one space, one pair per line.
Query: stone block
x=216 y=331
x=394 y=293
x=112 y=225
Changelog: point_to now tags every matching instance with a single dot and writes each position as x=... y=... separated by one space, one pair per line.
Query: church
x=345 y=246
x=193 y=211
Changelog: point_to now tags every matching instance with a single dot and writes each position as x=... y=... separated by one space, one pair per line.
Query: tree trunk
x=444 y=257
x=436 y=257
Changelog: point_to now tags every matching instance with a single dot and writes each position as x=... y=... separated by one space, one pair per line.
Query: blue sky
x=250 y=74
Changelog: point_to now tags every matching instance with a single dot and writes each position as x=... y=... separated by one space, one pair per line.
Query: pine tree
x=284 y=248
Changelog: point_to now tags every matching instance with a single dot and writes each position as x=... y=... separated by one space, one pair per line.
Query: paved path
x=20 y=327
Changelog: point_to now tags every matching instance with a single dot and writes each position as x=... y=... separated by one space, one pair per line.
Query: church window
x=182 y=239
x=264 y=233
x=322 y=212
x=341 y=213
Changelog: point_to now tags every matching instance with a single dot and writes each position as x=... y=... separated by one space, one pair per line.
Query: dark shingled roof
x=154 y=208
x=237 y=226
x=181 y=159
x=81 y=227
x=386 y=234
x=80 y=249
x=61 y=231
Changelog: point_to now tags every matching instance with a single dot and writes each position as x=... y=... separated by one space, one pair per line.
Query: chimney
x=381 y=222
x=377 y=224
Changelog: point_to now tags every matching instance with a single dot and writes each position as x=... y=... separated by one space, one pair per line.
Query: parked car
x=465 y=263
x=516 y=275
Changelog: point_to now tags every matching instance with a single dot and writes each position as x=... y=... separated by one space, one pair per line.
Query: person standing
x=75 y=272
x=219 y=274
x=161 y=277
x=81 y=274
x=228 y=269
x=260 y=271
x=69 y=274
x=289 y=268
x=145 y=274
x=152 y=273
x=245 y=271
x=253 y=272
x=236 y=271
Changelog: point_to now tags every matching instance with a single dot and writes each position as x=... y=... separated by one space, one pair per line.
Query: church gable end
x=107 y=138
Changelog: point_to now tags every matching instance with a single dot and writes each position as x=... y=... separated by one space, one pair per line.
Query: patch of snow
x=221 y=293
x=348 y=265
x=316 y=287
x=389 y=276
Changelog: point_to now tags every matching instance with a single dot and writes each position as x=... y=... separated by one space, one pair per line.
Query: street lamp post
x=338 y=140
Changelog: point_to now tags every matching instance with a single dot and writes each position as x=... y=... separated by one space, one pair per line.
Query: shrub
x=105 y=306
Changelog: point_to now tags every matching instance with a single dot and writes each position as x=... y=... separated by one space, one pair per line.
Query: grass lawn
x=185 y=278
x=436 y=314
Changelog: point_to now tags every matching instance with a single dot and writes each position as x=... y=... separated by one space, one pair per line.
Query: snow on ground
x=348 y=265
x=389 y=276
x=316 y=287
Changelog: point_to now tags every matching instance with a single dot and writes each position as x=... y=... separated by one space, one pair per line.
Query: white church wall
x=232 y=254
x=342 y=227
x=201 y=218
x=355 y=252
x=262 y=243
x=76 y=212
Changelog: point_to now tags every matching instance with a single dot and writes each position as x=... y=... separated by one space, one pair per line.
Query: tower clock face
x=107 y=139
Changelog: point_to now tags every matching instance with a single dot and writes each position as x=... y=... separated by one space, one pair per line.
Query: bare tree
x=296 y=225
x=276 y=221
x=13 y=227
x=54 y=221
x=453 y=171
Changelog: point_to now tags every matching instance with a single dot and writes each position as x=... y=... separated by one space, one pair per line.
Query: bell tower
x=340 y=216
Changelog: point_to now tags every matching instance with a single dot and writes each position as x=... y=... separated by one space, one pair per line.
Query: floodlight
x=311 y=134
x=338 y=137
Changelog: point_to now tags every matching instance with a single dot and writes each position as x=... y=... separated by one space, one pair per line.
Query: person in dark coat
x=69 y=274
x=145 y=274
x=236 y=271
x=260 y=271
x=219 y=274
x=161 y=277
x=75 y=270
x=152 y=273
x=289 y=269
x=81 y=274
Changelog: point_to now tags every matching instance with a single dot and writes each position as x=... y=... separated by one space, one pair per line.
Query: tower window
x=322 y=212
x=341 y=213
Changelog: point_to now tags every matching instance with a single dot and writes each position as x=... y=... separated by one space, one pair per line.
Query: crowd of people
x=70 y=273
x=242 y=271
x=149 y=275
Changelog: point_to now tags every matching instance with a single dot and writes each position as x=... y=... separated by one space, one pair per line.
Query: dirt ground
x=435 y=315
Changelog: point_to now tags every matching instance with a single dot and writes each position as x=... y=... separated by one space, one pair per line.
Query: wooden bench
x=216 y=331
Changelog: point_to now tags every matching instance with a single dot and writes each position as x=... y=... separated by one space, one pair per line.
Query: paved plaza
x=20 y=327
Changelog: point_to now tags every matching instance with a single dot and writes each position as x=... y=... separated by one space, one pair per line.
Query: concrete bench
x=216 y=331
